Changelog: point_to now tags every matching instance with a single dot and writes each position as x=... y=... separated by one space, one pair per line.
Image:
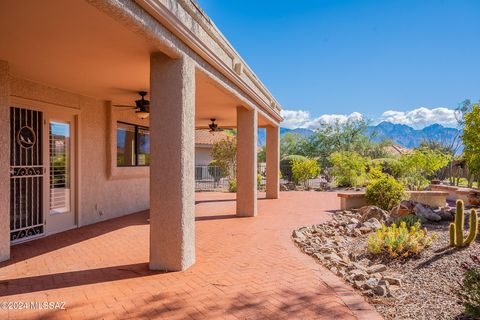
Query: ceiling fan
x=142 y=106
x=215 y=128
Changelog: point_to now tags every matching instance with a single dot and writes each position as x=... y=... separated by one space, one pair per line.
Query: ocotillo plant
x=456 y=228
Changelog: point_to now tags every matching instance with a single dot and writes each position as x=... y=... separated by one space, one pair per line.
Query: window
x=133 y=145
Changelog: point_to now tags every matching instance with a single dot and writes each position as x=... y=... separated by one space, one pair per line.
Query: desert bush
x=421 y=165
x=389 y=166
x=399 y=241
x=286 y=165
x=385 y=192
x=232 y=185
x=410 y=220
x=304 y=170
x=469 y=292
x=348 y=168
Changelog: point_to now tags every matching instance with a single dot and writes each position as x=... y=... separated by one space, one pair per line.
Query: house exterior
x=204 y=141
x=69 y=156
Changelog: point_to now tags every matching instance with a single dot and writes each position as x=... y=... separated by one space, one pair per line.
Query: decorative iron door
x=26 y=174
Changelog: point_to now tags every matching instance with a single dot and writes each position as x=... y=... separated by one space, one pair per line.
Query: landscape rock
x=373 y=224
x=364 y=229
x=297 y=234
x=380 y=290
x=369 y=212
x=371 y=283
x=357 y=274
x=392 y=280
x=425 y=213
x=400 y=211
x=446 y=213
x=376 y=268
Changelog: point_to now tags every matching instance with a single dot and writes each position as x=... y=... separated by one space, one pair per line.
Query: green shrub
x=389 y=166
x=304 y=170
x=348 y=168
x=419 y=166
x=259 y=181
x=469 y=292
x=232 y=185
x=286 y=165
x=410 y=220
x=399 y=241
x=385 y=192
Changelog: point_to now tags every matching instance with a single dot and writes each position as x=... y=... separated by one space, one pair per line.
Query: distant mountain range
x=400 y=134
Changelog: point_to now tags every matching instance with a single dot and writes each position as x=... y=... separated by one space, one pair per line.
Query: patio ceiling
x=72 y=46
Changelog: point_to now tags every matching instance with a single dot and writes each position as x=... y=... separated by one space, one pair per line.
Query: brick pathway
x=247 y=268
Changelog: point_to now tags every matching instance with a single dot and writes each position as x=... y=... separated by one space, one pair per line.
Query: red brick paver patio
x=247 y=268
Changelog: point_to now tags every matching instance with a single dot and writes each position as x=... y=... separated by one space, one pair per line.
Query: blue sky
x=340 y=57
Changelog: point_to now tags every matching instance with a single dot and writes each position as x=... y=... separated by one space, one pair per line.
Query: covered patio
x=72 y=64
x=248 y=268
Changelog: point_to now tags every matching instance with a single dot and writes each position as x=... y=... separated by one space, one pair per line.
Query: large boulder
x=369 y=212
x=446 y=213
x=425 y=213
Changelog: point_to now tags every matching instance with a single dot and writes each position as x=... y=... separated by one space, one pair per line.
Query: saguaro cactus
x=456 y=228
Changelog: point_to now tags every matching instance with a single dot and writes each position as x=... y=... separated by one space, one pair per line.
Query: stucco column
x=246 y=162
x=172 y=181
x=273 y=162
x=4 y=162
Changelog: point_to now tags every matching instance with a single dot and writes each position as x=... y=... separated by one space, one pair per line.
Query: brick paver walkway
x=247 y=268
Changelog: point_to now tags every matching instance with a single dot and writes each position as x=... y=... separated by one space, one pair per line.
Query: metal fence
x=210 y=178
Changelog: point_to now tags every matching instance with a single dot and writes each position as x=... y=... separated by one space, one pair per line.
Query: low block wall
x=355 y=200
x=351 y=200
x=468 y=195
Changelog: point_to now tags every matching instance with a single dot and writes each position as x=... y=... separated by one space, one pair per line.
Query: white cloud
x=421 y=117
x=416 y=118
x=303 y=119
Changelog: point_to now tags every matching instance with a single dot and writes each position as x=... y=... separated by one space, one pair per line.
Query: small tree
x=348 y=168
x=224 y=153
x=471 y=140
x=217 y=170
x=421 y=165
x=304 y=170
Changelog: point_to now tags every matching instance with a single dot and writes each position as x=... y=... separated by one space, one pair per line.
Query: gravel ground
x=428 y=281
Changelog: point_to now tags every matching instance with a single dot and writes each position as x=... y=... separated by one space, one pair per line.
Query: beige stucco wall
x=4 y=163
x=101 y=196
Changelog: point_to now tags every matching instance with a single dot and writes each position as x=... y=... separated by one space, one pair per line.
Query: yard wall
x=104 y=191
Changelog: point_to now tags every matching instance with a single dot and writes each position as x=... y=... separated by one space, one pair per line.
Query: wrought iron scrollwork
x=26 y=233
x=26 y=171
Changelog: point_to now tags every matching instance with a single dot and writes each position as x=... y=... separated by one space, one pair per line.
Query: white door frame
x=58 y=222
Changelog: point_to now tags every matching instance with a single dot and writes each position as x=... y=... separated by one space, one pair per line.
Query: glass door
x=61 y=173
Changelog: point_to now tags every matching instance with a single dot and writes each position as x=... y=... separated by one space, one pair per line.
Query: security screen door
x=26 y=174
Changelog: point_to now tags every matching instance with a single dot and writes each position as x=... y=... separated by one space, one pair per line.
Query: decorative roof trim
x=160 y=12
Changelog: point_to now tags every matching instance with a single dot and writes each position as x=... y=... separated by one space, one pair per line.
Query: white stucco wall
x=101 y=195
x=203 y=155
